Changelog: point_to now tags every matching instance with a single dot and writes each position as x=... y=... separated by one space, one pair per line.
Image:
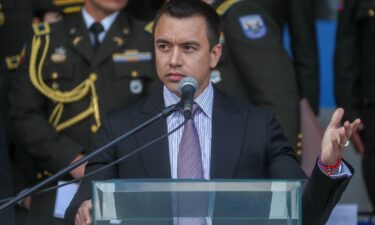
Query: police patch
x=253 y=26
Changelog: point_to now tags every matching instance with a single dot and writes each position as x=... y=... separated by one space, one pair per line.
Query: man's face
x=182 y=49
x=105 y=7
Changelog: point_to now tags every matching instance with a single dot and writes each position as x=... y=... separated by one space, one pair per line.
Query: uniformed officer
x=254 y=65
x=354 y=77
x=299 y=16
x=15 y=19
x=75 y=71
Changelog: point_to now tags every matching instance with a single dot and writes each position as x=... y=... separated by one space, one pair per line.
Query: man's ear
x=215 y=55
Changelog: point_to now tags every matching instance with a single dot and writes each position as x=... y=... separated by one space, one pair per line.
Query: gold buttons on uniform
x=94 y=128
x=55 y=75
x=371 y=12
x=299 y=144
x=93 y=76
x=134 y=74
x=299 y=153
x=39 y=176
x=46 y=173
x=55 y=85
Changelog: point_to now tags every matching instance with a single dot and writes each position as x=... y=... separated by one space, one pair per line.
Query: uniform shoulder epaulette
x=225 y=6
x=68 y=2
x=41 y=29
x=68 y=6
x=149 y=27
x=72 y=9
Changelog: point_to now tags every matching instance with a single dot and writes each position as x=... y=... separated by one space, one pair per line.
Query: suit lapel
x=155 y=158
x=114 y=39
x=79 y=38
x=228 y=127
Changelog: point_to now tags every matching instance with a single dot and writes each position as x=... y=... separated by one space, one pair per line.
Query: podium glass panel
x=183 y=202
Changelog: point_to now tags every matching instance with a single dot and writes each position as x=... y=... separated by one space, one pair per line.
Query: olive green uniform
x=63 y=88
x=254 y=65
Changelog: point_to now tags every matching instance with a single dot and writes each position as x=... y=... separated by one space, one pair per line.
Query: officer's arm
x=301 y=25
x=346 y=61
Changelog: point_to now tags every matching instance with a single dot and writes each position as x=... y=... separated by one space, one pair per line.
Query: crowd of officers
x=60 y=75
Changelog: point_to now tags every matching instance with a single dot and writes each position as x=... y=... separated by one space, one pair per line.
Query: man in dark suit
x=355 y=80
x=235 y=139
x=75 y=71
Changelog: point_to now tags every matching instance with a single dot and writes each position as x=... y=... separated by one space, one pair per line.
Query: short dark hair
x=189 y=8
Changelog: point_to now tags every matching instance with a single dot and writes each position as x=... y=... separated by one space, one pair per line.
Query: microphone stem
x=164 y=113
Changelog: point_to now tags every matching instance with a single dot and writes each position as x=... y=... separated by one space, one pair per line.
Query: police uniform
x=63 y=89
x=15 y=19
x=254 y=65
x=300 y=18
x=354 y=75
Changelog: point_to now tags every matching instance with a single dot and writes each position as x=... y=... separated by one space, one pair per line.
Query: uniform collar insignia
x=77 y=40
x=119 y=41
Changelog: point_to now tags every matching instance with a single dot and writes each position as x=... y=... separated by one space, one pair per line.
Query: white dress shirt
x=106 y=23
x=202 y=121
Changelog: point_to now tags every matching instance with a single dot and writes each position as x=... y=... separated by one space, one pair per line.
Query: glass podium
x=222 y=202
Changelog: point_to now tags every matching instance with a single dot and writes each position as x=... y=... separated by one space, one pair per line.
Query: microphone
x=187 y=87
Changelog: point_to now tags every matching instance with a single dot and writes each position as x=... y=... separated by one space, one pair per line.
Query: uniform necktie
x=189 y=162
x=96 y=28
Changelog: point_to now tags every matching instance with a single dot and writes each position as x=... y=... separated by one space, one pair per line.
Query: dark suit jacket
x=247 y=143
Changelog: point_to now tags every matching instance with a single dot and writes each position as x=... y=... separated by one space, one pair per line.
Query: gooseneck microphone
x=187 y=87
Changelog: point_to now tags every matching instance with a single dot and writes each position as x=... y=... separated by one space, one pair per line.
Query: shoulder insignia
x=225 y=6
x=67 y=2
x=253 y=26
x=149 y=27
x=41 y=29
x=72 y=9
x=12 y=62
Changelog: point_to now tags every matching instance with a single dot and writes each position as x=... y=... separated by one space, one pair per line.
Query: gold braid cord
x=61 y=97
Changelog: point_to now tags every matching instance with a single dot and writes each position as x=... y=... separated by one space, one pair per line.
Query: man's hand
x=335 y=138
x=79 y=171
x=83 y=216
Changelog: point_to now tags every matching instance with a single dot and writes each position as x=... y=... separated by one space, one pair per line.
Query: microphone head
x=188 y=81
